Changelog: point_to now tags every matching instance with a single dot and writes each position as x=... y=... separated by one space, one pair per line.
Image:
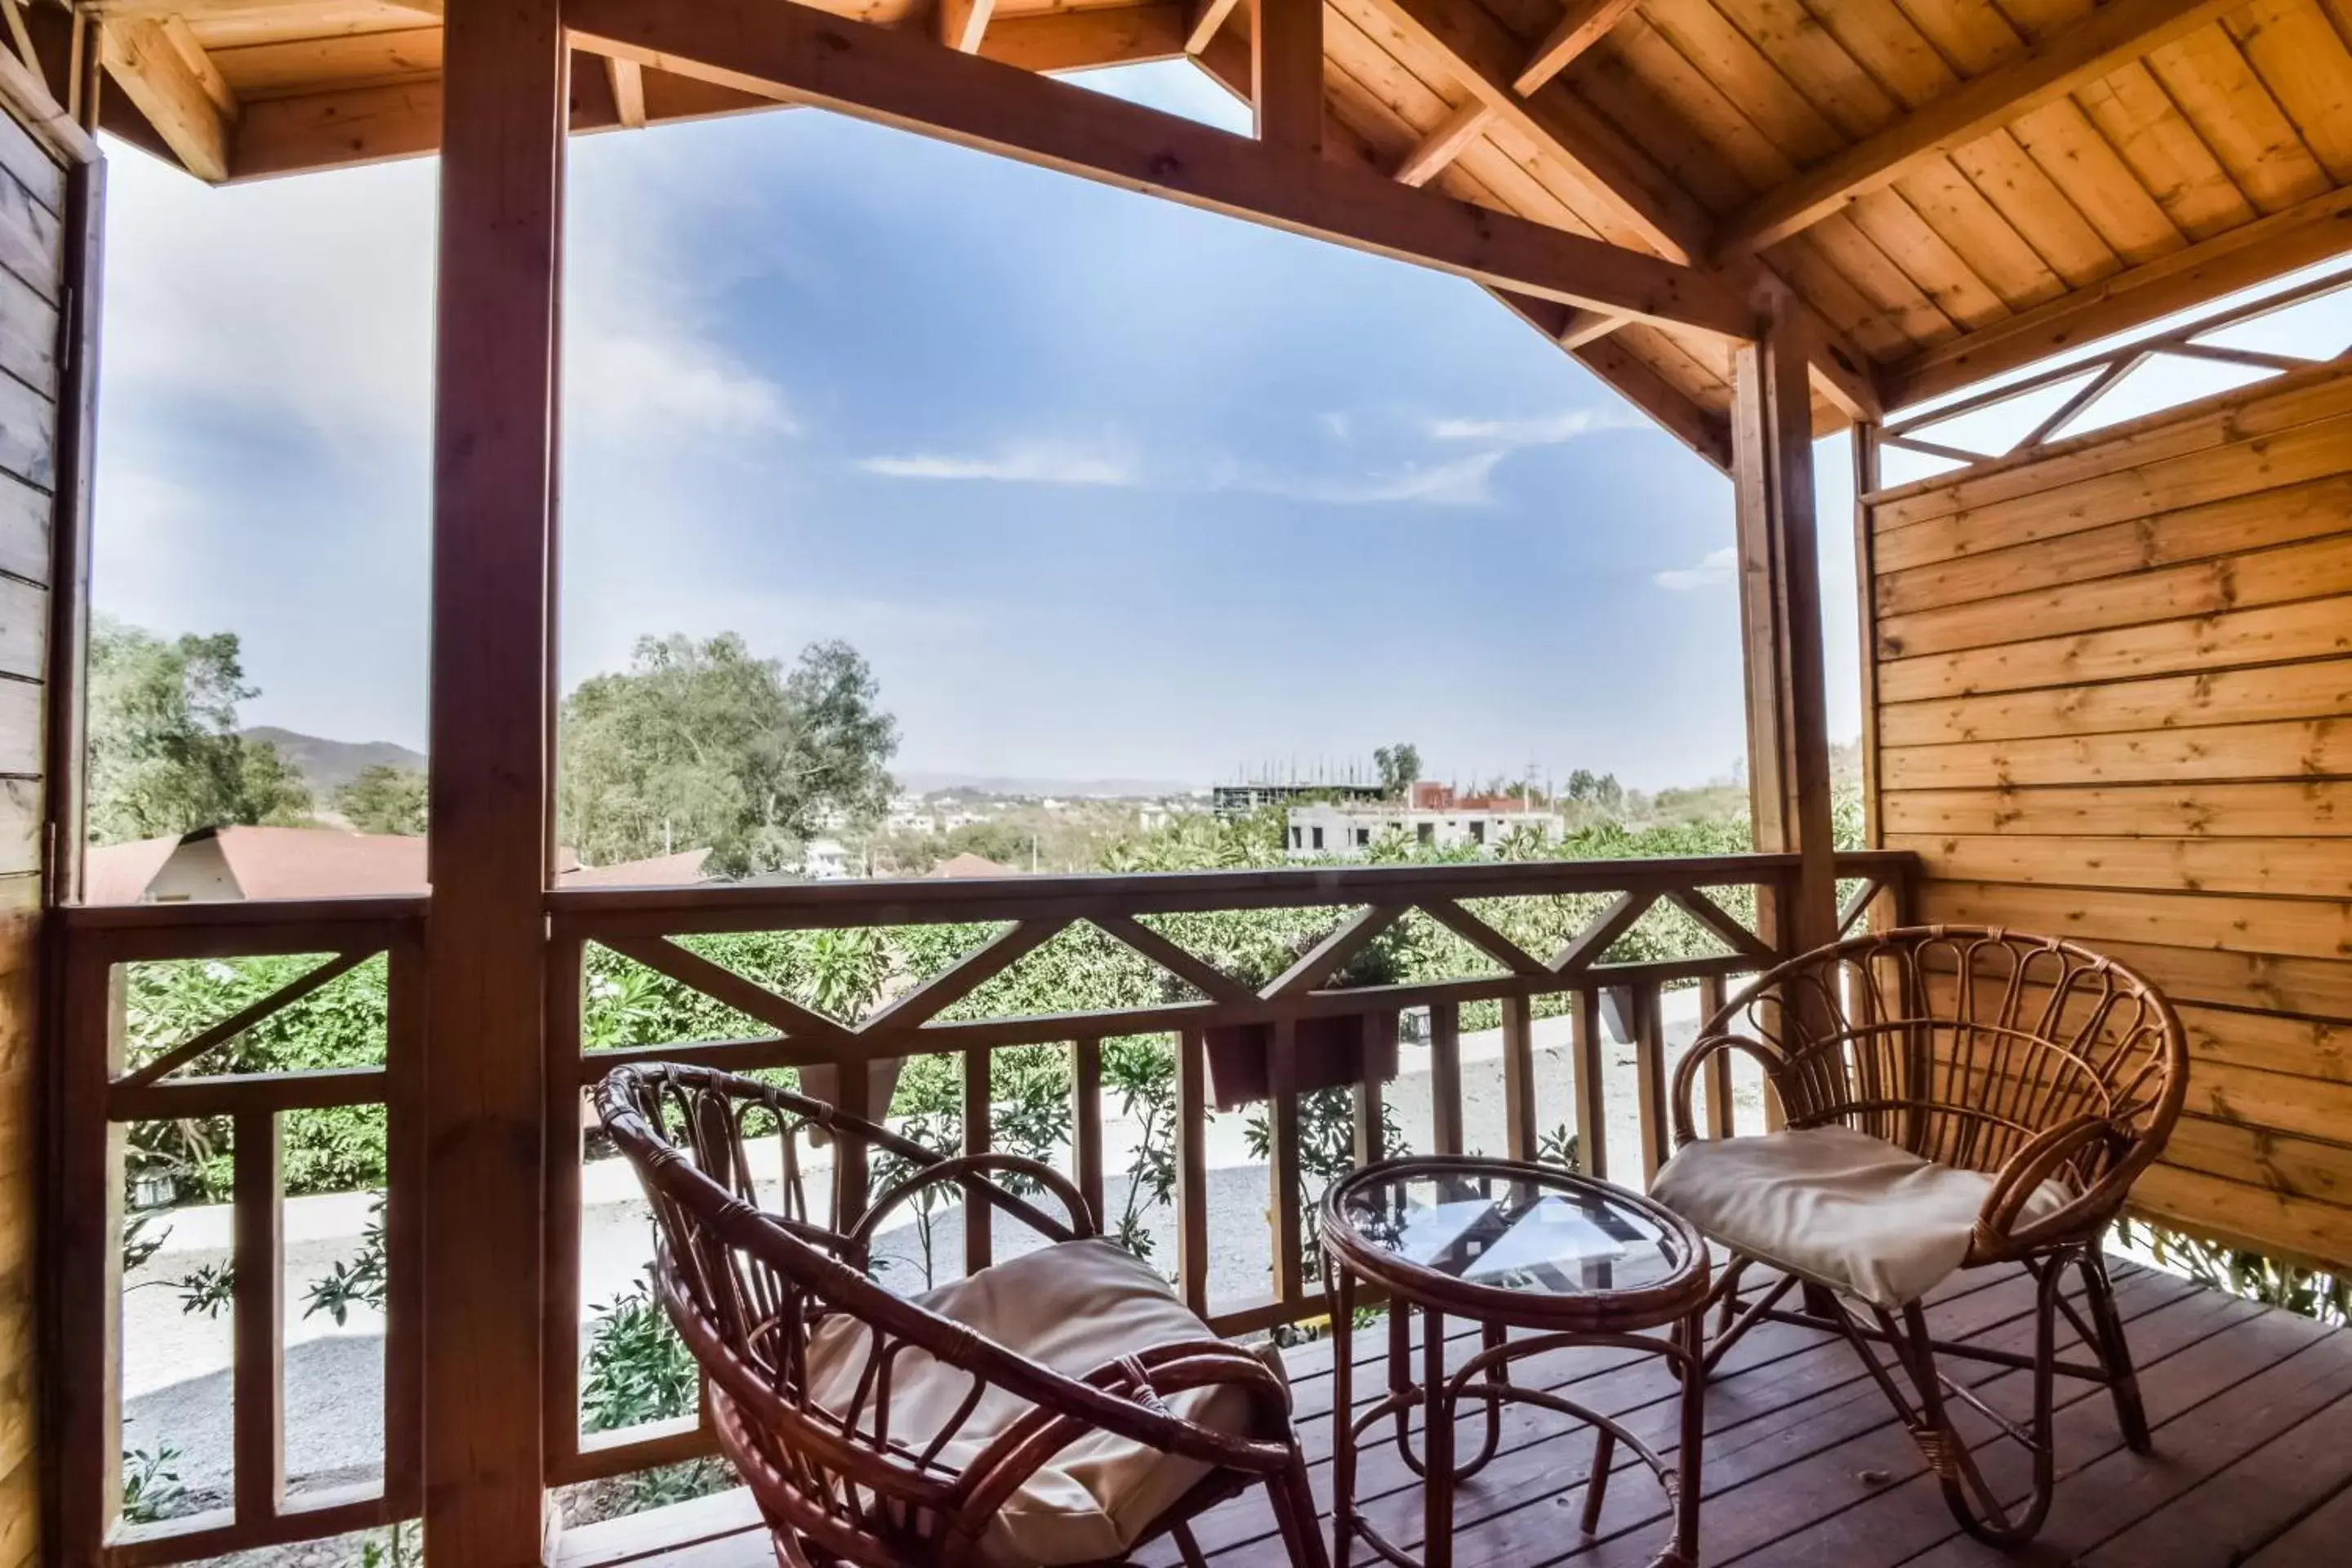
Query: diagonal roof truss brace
x=797 y=55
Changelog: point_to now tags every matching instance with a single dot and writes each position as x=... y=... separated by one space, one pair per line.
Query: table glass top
x=1558 y=1238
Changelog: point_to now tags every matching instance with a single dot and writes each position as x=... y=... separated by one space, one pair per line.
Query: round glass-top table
x=1506 y=1244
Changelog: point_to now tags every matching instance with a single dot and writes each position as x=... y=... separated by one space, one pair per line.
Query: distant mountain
x=917 y=782
x=327 y=766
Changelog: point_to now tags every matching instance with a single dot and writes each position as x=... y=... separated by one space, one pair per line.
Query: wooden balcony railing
x=1595 y=905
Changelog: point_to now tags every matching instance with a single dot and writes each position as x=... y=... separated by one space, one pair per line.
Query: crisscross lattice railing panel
x=1159 y=956
x=104 y=1093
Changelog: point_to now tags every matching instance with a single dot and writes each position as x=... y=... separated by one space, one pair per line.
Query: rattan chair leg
x=1293 y=1514
x=1978 y=1510
x=2115 y=1352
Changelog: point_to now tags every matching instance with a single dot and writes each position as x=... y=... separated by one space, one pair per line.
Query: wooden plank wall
x=50 y=185
x=2114 y=702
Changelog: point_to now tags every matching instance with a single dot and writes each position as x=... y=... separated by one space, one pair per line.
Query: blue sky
x=1101 y=485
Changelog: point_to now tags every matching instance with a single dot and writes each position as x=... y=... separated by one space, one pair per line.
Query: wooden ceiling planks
x=2209 y=158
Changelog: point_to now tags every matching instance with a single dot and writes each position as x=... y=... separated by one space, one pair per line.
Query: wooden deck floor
x=1806 y=1467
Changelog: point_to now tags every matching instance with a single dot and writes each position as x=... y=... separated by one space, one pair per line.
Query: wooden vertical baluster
x=403 y=1227
x=1086 y=1125
x=89 y=1291
x=259 y=1439
x=1519 y=1077
x=1380 y=1060
x=1192 y=1170
x=1282 y=1161
x=1589 y=1043
x=566 y=1072
x=979 y=1097
x=1771 y=897
x=1650 y=1068
x=852 y=1160
x=1716 y=1069
x=1446 y=1076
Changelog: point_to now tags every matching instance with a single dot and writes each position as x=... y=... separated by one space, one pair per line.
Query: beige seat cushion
x=1837 y=1206
x=1072 y=1307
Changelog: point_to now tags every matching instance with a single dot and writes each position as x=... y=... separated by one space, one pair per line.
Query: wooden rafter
x=796 y=55
x=1561 y=127
x=188 y=105
x=1204 y=20
x=627 y=79
x=2111 y=36
x=1435 y=151
x=1585 y=24
x=368 y=124
x=1488 y=58
x=964 y=23
x=1704 y=432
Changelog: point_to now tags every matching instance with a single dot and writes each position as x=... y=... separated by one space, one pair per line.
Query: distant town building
x=1436 y=816
x=1243 y=799
x=825 y=860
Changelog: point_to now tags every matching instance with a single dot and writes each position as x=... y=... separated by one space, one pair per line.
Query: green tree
x=706 y=745
x=1399 y=766
x=165 y=755
x=384 y=798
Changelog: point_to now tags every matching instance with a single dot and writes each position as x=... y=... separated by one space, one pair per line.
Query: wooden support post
x=504 y=97
x=1864 y=436
x=1781 y=629
x=1286 y=73
x=566 y=1156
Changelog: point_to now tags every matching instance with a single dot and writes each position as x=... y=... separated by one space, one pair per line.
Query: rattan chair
x=1955 y=1098
x=901 y=1433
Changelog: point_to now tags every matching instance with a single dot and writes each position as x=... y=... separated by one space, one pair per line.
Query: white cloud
x=1713 y=569
x=1462 y=482
x=310 y=302
x=1033 y=463
x=1544 y=430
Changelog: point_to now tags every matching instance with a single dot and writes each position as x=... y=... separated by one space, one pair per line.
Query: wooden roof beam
x=2241 y=258
x=964 y=23
x=2111 y=36
x=1489 y=58
x=797 y=55
x=1437 y=150
x=198 y=10
x=1702 y=431
x=163 y=71
x=628 y=83
x=1208 y=18
x=1562 y=127
x=1586 y=23
x=349 y=126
